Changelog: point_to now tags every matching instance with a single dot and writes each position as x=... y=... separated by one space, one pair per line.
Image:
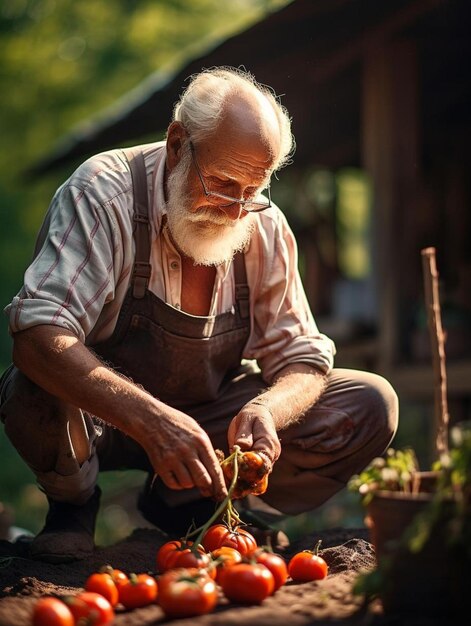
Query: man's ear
x=176 y=136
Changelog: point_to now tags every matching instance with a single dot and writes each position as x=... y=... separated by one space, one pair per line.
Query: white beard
x=207 y=236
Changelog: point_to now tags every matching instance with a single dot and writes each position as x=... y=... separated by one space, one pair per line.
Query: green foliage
x=453 y=499
x=456 y=465
x=393 y=471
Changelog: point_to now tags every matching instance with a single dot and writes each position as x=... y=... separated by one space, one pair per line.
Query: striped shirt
x=84 y=257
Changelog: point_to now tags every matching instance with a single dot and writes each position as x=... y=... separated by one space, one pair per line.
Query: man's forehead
x=252 y=121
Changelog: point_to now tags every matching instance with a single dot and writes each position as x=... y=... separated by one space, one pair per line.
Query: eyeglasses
x=247 y=205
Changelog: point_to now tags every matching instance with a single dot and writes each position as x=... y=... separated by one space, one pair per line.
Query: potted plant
x=420 y=527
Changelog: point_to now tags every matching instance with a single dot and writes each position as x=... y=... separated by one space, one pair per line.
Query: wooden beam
x=390 y=135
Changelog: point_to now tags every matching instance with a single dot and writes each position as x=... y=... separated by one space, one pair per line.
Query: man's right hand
x=182 y=454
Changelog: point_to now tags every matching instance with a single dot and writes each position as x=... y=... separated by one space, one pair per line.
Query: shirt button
x=174 y=265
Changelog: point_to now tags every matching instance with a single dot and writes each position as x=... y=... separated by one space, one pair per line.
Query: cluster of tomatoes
x=95 y=606
x=231 y=560
x=191 y=579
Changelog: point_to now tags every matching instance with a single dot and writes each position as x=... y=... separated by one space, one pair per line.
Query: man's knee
x=382 y=408
x=35 y=422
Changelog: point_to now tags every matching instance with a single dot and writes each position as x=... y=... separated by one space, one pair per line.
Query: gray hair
x=201 y=104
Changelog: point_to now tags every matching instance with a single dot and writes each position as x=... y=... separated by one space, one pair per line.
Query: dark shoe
x=175 y=521
x=68 y=534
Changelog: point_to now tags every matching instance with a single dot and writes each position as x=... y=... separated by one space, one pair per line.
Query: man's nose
x=234 y=211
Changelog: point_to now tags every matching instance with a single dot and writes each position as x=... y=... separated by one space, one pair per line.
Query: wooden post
x=437 y=339
x=390 y=154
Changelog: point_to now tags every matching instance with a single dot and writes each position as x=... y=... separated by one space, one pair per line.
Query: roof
x=309 y=52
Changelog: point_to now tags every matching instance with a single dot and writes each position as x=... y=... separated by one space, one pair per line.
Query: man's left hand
x=253 y=428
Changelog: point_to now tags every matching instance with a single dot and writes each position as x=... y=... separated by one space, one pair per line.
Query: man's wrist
x=260 y=402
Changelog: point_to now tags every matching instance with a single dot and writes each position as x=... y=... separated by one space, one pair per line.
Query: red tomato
x=51 y=611
x=224 y=557
x=103 y=584
x=187 y=592
x=178 y=554
x=219 y=535
x=187 y=558
x=247 y=583
x=140 y=590
x=164 y=552
x=90 y=606
x=119 y=577
x=307 y=565
x=275 y=563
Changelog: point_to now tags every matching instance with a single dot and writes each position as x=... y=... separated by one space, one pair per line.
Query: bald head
x=248 y=117
x=226 y=100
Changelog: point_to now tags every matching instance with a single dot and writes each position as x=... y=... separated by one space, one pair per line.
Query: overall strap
x=241 y=286
x=141 y=231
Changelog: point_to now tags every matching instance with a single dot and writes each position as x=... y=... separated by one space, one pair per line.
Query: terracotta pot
x=417 y=582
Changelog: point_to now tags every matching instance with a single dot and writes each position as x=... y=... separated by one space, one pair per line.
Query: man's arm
x=179 y=449
x=295 y=389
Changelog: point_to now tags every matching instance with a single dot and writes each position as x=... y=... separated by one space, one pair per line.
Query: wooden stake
x=437 y=339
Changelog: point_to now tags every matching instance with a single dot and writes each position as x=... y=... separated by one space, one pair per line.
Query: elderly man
x=163 y=317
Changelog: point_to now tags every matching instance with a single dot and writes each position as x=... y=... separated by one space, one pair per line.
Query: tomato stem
x=225 y=505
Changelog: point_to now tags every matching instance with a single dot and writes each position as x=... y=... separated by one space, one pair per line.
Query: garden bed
x=329 y=601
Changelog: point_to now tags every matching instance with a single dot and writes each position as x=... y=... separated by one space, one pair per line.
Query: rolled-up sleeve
x=72 y=274
x=283 y=328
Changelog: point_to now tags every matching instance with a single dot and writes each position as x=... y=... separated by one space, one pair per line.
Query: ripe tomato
x=219 y=535
x=275 y=563
x=178 y=554
x=90 y=606
x=187 y=592
x=307 y=565
x=247 y=583
x=224 y=557
x=103 y=583
x=252 y=476
x=140 y=590
x=49 y=611
x=164 y=552
x=118 y=576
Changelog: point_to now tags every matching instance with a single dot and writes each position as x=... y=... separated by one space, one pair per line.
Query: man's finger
x=244 y=440
x=200 y=476
x=240 y=434
x=218 y=484
x=183 y=477
x=169 y=478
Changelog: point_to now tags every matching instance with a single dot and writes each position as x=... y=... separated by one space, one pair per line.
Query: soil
x=327 y=602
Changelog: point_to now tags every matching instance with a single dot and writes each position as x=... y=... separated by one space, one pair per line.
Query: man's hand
x=253 y=428
x=295 y=388
x=182 y=454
